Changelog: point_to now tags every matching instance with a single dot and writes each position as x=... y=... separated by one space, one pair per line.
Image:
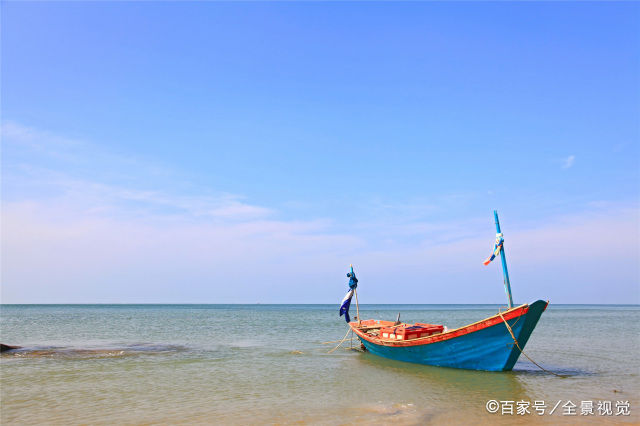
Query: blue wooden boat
x=493 y=344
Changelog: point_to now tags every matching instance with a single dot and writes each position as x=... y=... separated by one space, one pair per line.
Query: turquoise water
x=239 y=364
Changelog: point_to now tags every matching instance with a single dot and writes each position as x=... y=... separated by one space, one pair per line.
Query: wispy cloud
x=568 y=162
x=44 y=166
x=122 y=232
x=126 y=233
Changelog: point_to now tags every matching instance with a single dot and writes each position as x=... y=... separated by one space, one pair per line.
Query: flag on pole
x=344 y=307
x=496 y=248
x=346 y=302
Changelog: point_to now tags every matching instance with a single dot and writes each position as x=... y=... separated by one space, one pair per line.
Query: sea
x=276 y=364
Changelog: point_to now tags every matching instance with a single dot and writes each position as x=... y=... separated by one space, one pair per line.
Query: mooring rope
x=522 y=352
x=341 y=341
x=335 y=341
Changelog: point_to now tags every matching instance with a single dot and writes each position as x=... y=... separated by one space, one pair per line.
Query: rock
x=4 y=347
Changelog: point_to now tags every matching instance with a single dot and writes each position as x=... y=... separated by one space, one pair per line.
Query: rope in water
x=335 y=341
x=341 y=341
x=522 y=352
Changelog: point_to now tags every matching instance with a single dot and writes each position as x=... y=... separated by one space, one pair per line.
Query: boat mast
x=507 y=285
x=355 y=292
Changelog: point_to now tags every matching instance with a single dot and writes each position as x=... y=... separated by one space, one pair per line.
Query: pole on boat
x=355 y=292
x=507 y=285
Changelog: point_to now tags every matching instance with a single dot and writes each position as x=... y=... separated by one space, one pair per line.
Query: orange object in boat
x=408 y=332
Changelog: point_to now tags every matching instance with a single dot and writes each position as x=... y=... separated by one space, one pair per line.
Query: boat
x=492 y=344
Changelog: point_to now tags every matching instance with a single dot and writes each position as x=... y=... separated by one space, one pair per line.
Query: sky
x=248 y=152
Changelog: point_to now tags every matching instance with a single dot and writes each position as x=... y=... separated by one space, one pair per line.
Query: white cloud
x=58 y=252
x=71 y=236
x=568 y=162
x=67 y=237
x=38 y=165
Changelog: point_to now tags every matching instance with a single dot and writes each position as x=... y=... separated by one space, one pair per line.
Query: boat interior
x=390 y=330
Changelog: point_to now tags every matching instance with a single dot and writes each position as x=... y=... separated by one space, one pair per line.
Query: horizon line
x=306 y=304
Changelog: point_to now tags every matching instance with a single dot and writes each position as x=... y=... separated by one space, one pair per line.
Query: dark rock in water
x=4 y=347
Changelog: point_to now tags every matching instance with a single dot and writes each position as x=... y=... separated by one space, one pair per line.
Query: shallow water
x=243 y=364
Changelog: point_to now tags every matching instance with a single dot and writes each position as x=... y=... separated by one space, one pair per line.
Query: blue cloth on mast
x=353 y=281
x=344 y=307
x=346 y=302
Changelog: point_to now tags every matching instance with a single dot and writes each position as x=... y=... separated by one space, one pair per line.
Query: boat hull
x=485 y=345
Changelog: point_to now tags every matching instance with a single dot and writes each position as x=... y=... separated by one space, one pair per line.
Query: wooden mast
x=355 y=292
x=505 y=272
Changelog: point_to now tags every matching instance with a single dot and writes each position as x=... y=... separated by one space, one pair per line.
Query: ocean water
x=268 y=364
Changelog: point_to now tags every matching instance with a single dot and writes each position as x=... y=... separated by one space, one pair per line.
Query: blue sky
x=222 y=152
